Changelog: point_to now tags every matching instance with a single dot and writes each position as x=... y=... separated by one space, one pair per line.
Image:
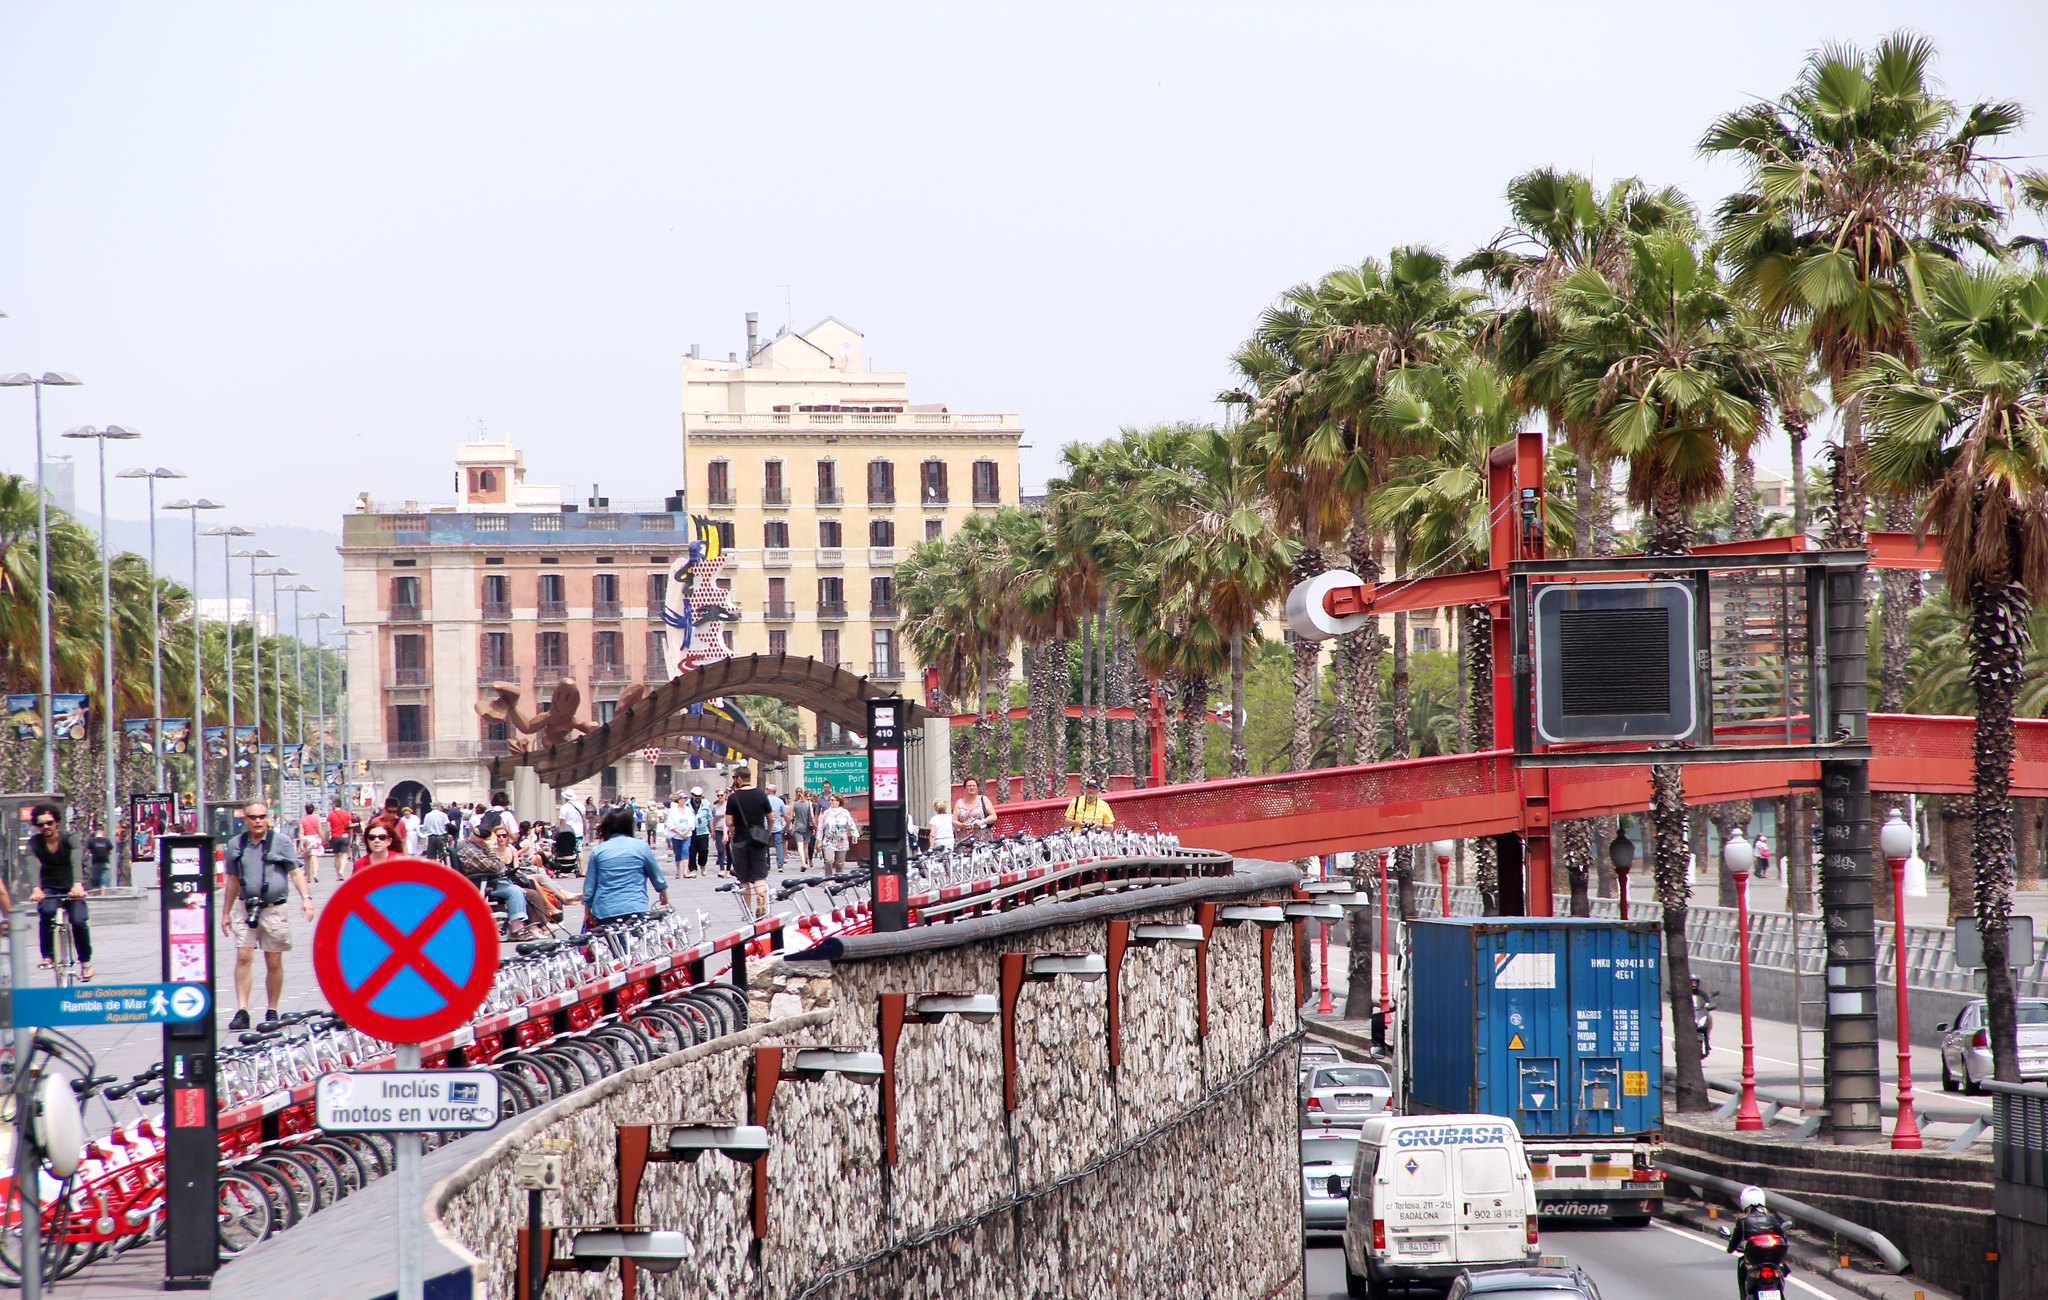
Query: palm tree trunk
x=1575 y=853
x=1004 y=736
x=1667 y=821
x=1584 y=495
x=1034 y=720
x=1958 y=868
x=1998 y=634
x=1195 y=717
x=984 y=726
x=1400 y=724
x=1358 y=999
x=1122 y=674
x=1795 y=435
x=1901 y=589
x=1060 y=693
x=1479 y=727
x=1307 y=666
x=1363 y=650
x=1170 y=684
x=2027 y=845
x=1089 y=631
x=1240 y=761
x=1098 y=732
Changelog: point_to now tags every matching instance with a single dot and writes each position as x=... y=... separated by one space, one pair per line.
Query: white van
x=1433 y=1195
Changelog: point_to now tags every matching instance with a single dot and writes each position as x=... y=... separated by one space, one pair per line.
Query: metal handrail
x=1876 y=1243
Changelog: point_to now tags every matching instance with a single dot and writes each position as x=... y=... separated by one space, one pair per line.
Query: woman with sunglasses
x=59 y=887
x=378 y=837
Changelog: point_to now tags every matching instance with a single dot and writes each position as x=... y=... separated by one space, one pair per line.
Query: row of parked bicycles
x=601 y=1002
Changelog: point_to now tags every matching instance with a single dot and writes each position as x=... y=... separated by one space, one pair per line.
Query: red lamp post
x=1622 y=853
x=1895 y=838
x=1444 y=849
x=1324 y=1006
x=1740 y=858
x=1385 y=1004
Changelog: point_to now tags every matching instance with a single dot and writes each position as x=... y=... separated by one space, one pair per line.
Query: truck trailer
x=1556 y=1025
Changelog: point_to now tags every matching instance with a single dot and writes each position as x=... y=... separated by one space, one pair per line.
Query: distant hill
x=310 y=551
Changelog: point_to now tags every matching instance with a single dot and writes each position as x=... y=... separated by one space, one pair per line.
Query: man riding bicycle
x=58 y=887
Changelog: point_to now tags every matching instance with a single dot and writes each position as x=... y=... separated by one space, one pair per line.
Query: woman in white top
x=942 y=826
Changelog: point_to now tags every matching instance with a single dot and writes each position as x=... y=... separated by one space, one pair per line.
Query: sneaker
x=240 y=1020
x=270 y=1015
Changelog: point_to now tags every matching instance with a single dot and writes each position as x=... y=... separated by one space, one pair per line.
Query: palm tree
x=1862 y=181
x=1965 y=422
x=1670 y=376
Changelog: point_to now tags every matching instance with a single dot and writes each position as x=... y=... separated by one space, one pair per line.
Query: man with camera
x=262 y=870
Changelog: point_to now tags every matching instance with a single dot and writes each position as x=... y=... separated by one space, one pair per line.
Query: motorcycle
x=1703 y=1019
x=1761 y=1274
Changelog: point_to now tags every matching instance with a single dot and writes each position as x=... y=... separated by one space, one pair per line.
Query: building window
x=608 y=649
x=933 y=482
x=828 y=647
x=720 y=482
x=774 y=492
x=885 y=652
x=988 y=485
x=831 y=598
x=657 y=656
x=881 y=482
x=828 y=482
x=775 y=534
x=496 y=652
x=405 y=594
x=778 y=598
x=409 y=724
x=727 y=536
x=608 y=785
x=1429 y=638
x=881 y=532
x=1768 y=496
x=828 y=532
x=547 y=523
x=664 y=782
x=409 y=660
x=497 y=589
x=934 y=530
x=554 y=589
x=497 y=731
x=551 y=651
x=657 y=593
x=605 y=710
x=486 y=480
x=604 y=595
x=778 y=642
x=882 y=595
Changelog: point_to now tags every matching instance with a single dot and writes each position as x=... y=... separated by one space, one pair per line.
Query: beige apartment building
x=822 y=475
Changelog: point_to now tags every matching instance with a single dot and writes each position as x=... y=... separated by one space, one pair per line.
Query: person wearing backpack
x=262 y=869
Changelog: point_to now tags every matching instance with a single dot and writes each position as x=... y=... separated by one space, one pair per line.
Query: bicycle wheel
x=327 y=1167
x=734 y=998
x=56 y=1252
x=611 y=1053
x=715 y=1010
x=289 y=1193
x=514 y=1097
x=246 y=1213
x=634 y=1040
x=597 y=1057
x=347 y=1162
x=580 y=1067
x=667 y=1035
x=368 y=1153
x=702 y=1027
x=543 y=1079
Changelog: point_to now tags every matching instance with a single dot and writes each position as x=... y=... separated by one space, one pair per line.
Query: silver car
x=1966 y=1045
x=1342 y=1095
x=1314 y=1054
x=1327 y=1156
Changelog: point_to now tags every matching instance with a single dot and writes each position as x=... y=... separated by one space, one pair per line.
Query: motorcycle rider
x=1702 y=1015
x=1756 y=1218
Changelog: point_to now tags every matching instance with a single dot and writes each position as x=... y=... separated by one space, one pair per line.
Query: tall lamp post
x=1385 y=1004
x=1740 y=857
x=113 y=433
x=1895 y=838
x=299 y=689
x=276 y=672
x=319 y=622
x=347 y=738
x=1622 y=853
x=156 y=622
x=198 y=724
x=50 y=379
x=255 y=664
x=227 y=623
x=1443 y=850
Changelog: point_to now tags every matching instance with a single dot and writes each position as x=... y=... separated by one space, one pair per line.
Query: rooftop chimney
x=753 y=333
x=696 y=352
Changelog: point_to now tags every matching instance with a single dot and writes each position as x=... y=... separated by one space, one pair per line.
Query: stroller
x=565 y=860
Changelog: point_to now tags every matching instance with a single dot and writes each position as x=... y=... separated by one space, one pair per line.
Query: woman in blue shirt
x=620 y=870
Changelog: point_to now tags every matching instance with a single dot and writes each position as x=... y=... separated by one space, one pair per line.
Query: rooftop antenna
x=788 y=313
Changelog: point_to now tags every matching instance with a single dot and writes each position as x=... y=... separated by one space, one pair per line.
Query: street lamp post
x=1622 y=853
x=1324 y=1006
x=1443 y=850
x=319 y=622
x=1740 y=858
x=156 y=621
x=198 y=724
x=50 y=379
x=276 y=671
x=347 y=737
x=116 y=433
x=299 y=689
x=1895 y=838
x=255 y=665
x=1385 y=1005
x=227 y=601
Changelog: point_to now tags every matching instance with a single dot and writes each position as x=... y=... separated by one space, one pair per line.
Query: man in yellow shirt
x=1089 y=808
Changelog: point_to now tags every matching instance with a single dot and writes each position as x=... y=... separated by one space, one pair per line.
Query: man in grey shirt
x=435 y=827
x=261 y=866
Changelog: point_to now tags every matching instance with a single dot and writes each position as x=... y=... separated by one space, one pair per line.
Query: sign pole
x=887 y=839
x=27 y=1165
x=191 y=1139
x=412 y=1204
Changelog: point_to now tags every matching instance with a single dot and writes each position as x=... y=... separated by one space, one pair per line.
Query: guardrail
x=1876 y=1243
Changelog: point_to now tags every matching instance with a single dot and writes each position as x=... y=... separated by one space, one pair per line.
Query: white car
x=1327 y=1157
x=1966 y=1045
x=1346 y=1094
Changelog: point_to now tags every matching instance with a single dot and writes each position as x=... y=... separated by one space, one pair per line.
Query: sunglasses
x=45 y=822
x=374 y=838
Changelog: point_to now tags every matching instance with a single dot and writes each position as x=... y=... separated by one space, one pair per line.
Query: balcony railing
x=405 y=613
x=654 y=671
x=828 y=496
x=831 y=557
x=611 y=672
x=934 y=496
x=774 y=496
x=719 y=496
x=405 y=748
x=775 y=557
x=549 y=674
x=654 y=608
x=882 y=609
x=410 y=676
x=881 y=496
x=881 y=556
x=488 y=748
x=554 y=609
x=888 y=670
x=779 y=608
x=607 y=608
x=486 y=673
x=831 y=609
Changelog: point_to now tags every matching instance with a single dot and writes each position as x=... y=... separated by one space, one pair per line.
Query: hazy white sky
x=307 y=248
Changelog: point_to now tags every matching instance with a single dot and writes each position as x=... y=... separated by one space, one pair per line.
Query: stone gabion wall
x=1176 y=1175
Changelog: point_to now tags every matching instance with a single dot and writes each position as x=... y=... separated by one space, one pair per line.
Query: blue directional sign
x=110 y=1004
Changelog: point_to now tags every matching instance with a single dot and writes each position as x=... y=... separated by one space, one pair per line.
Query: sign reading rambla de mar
x=848 y=773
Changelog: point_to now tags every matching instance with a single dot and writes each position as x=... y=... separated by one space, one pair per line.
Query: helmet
x=1751 y=1198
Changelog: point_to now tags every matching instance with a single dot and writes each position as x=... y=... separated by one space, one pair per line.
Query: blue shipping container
x=1554 y=1023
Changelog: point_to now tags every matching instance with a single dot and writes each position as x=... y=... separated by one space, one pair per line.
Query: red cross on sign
x=406 y=950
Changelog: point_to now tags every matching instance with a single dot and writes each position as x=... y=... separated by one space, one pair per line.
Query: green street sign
x=848 y=773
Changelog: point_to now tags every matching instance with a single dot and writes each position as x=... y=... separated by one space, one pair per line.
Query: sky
x=306 y=249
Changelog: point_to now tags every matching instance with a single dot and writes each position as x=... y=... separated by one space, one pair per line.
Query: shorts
x=337 y=845
x=749 y=860
x=272 y=934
